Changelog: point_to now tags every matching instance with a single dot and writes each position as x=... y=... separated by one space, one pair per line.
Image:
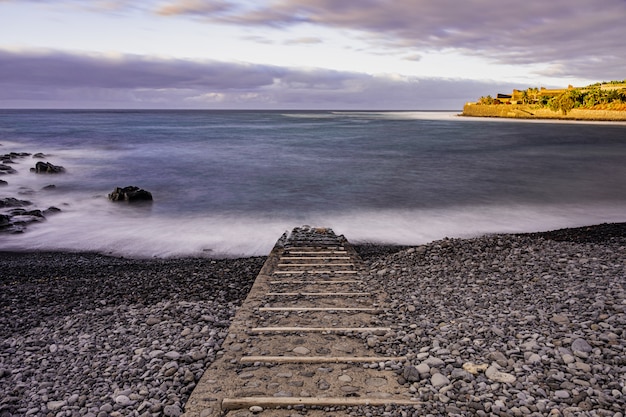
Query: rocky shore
x=89 y=335
x=510 y=325
x=494 y=326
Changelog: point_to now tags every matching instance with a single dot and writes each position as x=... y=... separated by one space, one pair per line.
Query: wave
x=131 y=232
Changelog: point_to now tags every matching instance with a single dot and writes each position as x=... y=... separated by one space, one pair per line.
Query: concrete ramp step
x=300 y=339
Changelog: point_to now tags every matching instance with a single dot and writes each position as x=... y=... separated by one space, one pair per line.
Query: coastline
x=523 y=111
x=95 y=335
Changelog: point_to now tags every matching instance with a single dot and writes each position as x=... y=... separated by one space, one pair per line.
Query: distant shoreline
x=521 y=111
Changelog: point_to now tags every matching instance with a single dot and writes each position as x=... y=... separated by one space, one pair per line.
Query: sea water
x=229 y=183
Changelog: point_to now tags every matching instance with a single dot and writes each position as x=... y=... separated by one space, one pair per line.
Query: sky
x=300 y=54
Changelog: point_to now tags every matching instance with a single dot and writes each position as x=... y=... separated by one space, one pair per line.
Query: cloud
x=194 y=7
x=568 y=34
x=56 y=79
x=518 y=33
x=308 y=40
x=413 y=57
x=128 y=71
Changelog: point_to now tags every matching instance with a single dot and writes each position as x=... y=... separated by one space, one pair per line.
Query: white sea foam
x=137 y=232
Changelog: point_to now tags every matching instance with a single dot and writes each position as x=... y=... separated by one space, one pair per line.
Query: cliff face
x=522 y=111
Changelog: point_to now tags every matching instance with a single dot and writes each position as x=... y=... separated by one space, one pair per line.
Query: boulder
x=13 y=202
x=2 y=183
x=39 y=155
x=5 y=169
x=8 y=158
x=5 y=221
x=47 y=168
x=51 y=210
x=130 y=194
x=17 y=220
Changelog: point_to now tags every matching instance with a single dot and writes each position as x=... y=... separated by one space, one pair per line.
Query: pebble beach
x=499 y=325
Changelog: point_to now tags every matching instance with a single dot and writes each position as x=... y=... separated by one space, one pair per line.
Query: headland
x=597 y=102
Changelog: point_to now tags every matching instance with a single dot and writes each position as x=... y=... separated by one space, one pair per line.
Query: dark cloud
x=55 y=79
x=558 y=32
x=72 y=70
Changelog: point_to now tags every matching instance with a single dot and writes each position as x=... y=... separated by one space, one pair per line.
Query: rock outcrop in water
x=5 y=169
x=17 y=219
x=47 y=168
x=13 y=202
x=130 y=194
x=17 y=214
x=8 y=158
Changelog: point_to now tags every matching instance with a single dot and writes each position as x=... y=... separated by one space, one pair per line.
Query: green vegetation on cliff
x=600 y=96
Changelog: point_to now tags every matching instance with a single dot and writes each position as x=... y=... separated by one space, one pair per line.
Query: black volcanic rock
x=8 y=158
x=51 y=210
x=5 y=169
x=47 y=168
x=5 y=221
x=13 y=202
x=130 y=194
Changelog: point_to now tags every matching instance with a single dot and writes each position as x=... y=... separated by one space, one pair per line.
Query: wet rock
x=51 y=210
x=47 y=168
x=13 y=202
x=130 y=194
x=6 y=169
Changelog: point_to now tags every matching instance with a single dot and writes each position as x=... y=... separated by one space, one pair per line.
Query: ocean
x=229 y=183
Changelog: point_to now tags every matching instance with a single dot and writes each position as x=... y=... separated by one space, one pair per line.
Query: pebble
x=301 y=350
x=411 y=374
x=473 y=368
x=581 y=345
x=55 y=405
x=172 y=355
x=122 y=400
x=493 y=374
x=438 y=380
x=422 y=368
x=172 y=411
x=561 y=394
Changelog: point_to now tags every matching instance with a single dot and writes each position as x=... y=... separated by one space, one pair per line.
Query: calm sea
x=231 y=182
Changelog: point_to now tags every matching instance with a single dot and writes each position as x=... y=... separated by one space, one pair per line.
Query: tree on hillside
x=564 y=102
x=525 y=97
